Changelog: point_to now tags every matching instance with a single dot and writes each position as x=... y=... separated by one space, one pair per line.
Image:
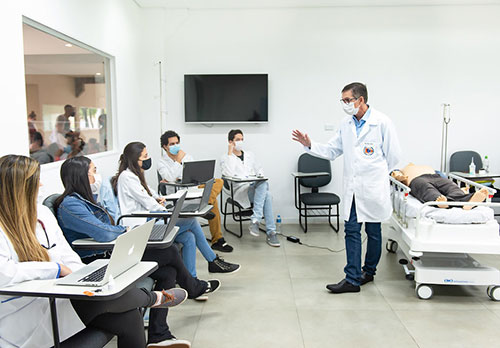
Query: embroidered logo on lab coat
x=368 y=150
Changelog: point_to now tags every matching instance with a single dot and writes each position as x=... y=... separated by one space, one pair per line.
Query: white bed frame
x=439 y=253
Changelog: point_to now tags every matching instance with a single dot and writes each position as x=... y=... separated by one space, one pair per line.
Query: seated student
x=427 y=186
x=32 y=247
x=239 y=163
x=170 y=169
x=81 y=217
x=37 y=151
x=135 y=195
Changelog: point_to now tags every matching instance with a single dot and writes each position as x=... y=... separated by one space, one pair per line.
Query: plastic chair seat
x=319 y=198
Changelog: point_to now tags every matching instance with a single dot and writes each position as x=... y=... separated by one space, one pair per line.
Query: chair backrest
x=50 y=201
x=460 y=161
x=309 y=164
x=162 y=189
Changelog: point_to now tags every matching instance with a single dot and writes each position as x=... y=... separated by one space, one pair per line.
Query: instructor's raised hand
x=302 y=138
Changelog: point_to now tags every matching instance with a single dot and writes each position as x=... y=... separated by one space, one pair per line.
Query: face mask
x=174 y=149
x=238 y=145
x=146 y=164
x=350 y=109
x=96 y=186
x=67 y=149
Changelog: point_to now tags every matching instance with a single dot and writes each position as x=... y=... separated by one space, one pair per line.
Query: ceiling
x=241 y=4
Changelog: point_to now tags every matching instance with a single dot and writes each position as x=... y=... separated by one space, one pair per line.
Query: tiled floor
x=278 y=299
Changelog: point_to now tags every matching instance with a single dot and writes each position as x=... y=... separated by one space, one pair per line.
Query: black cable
x=317 y=246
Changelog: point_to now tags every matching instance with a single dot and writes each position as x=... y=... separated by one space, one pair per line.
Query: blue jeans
x=259 y=195
x=191 y=236
x=353 y=247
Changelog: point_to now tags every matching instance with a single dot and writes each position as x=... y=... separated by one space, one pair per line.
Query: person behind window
x=63 y=126
x=32 y=247
x=74 y=145
x=134 y=195
x=241 y=163
x=80 y=216
x=37 y=151
x=170 y=169
x=31 y=125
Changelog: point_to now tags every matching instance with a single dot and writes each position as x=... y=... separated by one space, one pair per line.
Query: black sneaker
x=220 y=266
x=221 y=245
x=213 y=286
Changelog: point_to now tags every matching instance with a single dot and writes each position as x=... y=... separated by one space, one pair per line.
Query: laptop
x=128 y=251
x=197 y=172
x=160 y=231
x=196 y=207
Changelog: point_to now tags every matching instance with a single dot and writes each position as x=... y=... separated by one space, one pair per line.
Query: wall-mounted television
x=231 y=98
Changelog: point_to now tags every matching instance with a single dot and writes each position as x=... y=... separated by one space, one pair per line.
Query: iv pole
x=444 y=137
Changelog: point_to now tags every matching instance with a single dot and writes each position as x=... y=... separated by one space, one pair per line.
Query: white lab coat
x=133 y=198
x=368 y=159
x=171 y=170
x=231 y=165
x=25 y=321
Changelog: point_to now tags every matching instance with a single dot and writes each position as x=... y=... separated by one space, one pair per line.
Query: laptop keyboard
x=95 y=276
x=158 y=233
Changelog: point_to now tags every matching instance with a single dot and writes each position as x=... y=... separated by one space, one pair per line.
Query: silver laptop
x=160 y=230
x=128 y=251
x=196 y=207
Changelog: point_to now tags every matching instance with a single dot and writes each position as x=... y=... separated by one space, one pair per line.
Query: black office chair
x=312 y=204
x=460 y=161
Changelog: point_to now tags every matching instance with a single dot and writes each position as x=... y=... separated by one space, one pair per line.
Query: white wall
x=117 y=27
x=413 y=59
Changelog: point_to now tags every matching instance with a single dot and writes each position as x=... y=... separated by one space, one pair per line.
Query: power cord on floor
x=294 y=239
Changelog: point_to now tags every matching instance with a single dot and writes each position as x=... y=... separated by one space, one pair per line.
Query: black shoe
x=220 y=266
x=343 y=286
x=212 y=286
x=365 y=278
x=221 y=245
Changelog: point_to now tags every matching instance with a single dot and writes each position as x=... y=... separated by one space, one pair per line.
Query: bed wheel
x=425 y=292
x=391 y=246
x=494 y=292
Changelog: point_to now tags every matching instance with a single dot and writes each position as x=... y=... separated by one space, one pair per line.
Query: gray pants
x=428 y=187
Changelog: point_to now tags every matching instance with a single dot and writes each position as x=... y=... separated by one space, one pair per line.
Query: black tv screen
x=225 y=98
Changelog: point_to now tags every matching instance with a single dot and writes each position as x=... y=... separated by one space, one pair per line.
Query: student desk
x=47 y=288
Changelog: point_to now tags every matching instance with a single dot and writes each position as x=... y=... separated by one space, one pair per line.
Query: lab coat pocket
x=373 y=191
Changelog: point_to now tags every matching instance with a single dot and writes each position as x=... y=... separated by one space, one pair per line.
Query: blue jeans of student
x=353 y=247
x=191 y=236
x=260 y=196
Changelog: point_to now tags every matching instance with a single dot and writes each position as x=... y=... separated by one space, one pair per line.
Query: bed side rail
x=468 y=183
x=399 y=197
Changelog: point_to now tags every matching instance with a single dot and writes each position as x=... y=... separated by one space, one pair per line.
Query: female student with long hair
x=135 y=195
x=81 y=217
x=33 y=247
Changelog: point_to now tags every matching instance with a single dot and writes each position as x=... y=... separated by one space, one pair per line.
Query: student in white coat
x=369 y=143
x=242 y=164
x=33 y=247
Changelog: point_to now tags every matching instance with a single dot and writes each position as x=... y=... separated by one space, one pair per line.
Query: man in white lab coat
x=369 y=143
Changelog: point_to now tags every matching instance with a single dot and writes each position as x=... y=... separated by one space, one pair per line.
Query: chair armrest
x=165 y=214
x=241 y=180
x=309 y=175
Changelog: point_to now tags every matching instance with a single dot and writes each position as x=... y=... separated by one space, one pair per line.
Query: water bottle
x=486 y=164
x=278 y=224
x=472 y=167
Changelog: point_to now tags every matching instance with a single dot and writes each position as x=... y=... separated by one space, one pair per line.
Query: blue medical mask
x=67 y=149
x=174 y=149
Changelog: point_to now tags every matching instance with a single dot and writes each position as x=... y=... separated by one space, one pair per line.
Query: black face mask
x=146 y=164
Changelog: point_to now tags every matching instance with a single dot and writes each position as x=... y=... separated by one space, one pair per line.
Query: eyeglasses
x=348 y=100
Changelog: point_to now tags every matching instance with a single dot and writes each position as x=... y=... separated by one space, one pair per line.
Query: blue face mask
x=67 y=149
x=174 y=149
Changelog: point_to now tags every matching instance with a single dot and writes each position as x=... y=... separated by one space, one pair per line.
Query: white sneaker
x=254 y=229
x=172 y=343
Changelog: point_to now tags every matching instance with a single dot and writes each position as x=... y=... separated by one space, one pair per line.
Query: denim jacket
x=80 y=218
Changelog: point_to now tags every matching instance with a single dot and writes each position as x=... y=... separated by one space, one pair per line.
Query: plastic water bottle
x=472 y=167
x=486 y=164
x=278 y=224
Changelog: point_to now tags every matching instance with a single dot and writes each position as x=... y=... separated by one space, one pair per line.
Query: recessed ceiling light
x=98 y=73
x=68 y=45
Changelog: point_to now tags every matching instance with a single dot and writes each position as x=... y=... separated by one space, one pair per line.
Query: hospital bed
x=436 y=242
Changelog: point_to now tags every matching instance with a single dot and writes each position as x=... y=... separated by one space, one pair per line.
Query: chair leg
x=305 y=218
x=329 y=218
x=224 y=222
